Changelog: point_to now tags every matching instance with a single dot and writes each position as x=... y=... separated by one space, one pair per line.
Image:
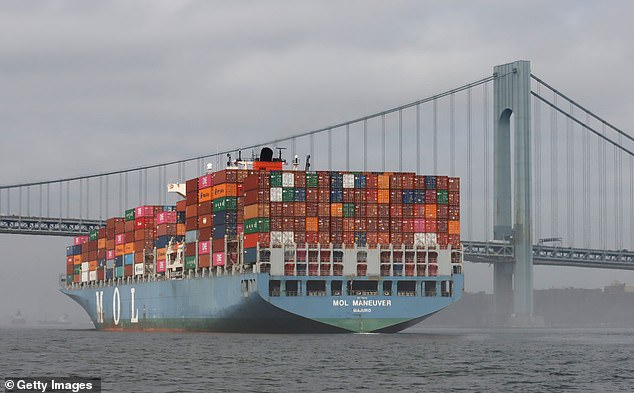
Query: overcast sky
x=88 y=86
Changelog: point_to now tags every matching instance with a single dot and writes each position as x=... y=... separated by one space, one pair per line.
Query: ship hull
x=243 y=303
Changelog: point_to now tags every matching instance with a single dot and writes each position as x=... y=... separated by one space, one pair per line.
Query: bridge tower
x=513 y=283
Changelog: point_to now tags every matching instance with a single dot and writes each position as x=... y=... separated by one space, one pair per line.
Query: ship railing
x=316 y=293
x=430 y=293
x=406 y=293
x=292 y=293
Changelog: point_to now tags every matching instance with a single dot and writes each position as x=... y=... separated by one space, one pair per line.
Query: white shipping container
x=84 y=276
x=419 y=239
x=288 y=179
x=84 y=267
x=109 y=263
x=276 y=238
x=430 y=239
x=348 y=180
x=276 y=194
x=191 y=236
x=138 y=269
x=92 y=276
x=288 y=238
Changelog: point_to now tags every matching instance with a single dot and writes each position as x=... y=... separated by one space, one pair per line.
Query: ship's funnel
x=266 y=154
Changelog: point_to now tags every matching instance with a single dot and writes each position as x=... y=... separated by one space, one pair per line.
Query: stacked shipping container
x=272 y=209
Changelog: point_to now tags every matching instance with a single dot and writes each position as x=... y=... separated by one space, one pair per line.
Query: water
x=442 y=360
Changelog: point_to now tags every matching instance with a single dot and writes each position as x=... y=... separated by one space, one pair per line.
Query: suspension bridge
x=545 y=181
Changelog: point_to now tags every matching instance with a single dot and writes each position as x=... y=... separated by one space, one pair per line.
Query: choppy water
x=443 y=360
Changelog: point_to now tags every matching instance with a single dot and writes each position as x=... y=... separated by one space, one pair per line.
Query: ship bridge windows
x=336 y=287
x=293 y=287
x=337 y=256
x=406 y=288
x=363 y=287
x=430 y=288
x=316 y=288
x=446 y=288
x=265 y=255
x=275 y=287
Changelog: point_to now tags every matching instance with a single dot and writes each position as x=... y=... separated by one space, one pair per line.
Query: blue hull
x=245 y=303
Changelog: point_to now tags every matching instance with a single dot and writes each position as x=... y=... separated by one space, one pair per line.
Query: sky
x=87 y=87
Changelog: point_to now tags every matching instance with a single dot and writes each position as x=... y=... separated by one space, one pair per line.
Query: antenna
x=279 y=150
x=307 y=163
x=228 y=159
x=210 y=167
x=295 y=162
x=239 y=155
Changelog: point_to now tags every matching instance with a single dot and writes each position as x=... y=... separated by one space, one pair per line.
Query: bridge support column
x=512 y=92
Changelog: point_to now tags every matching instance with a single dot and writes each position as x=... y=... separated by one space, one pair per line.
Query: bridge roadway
x=474 y=251
x=50 y=226
x=502 y=252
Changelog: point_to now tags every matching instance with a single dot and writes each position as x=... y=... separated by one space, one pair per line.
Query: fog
x=95 y=86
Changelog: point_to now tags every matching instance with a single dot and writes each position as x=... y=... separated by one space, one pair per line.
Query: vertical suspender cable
x=312 y=149
x=435 y=138
x=400 y=141
x=106 y=198
x=485 y=119
x=41 y=201
x=602 y=173
x=383 y=143
x=586 y=217
x=330 y=149
x=61 y=196
x=164 y=185
x=570 y=174
x=48 y=200
x=145 y=186
x=631 y=202
x=347 y=147
x=365 y=145
x=125 y=194
x=100 y=196
x=81 y=197
x=418 y=170
x=28 y=200
x=553 y=173
x=537 y=128
x=87 y=197
x=469 y=171
x=452 y=136
x=617 y=210
x=293 y=148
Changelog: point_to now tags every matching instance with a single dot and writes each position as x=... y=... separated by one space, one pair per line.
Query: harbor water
x=419 y=359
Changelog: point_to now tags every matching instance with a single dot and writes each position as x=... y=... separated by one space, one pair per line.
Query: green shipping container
x=311 y=180
x=190 y=262
x=288 y=194
x=77 y=269
x=93 y=235
x=69 y=278
x=442 y=197
x=276 y=179
x=129 y=215
x=348 y=209
x=119 y=271
x=255 y=225
x=225 y=203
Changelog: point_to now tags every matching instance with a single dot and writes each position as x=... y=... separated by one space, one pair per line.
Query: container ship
x=259 y=248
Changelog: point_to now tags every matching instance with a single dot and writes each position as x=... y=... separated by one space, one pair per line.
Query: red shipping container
x=299 y=237
x=205 y=208
x=441 y=226
x=160 y=266
x=454 y=240
x=300 y=179
x=442 y=182
x=371 y=180
x=430 y=225
x=312 y=209
x=143 y=223
x=312 y=195
x=336 y=224
x=146 y=211
x=408 y=238
x=312 y=237
x=191 y=224
x=323 y=179
x=348 y=195
x=191 y=198
x=180 y=206
x=204 y=260
x=324 y=238
x=348 y=238
x=396 y=239
x=205 y=221
x=442 y=211
x=360 y=224
x=119 y=239
x=383 y=211
x=336 y=238
x=129 y=226
x=419 y=210
x=453 y=184
x=407 y=225
x=218 y=259
x=383 y=238
x=408 y=181
x=218 y=245
x=288 y=223
x=277 y=209
x=205 y=181
x=204 y=234
x=323 y=209
x=80 y=240
x=190 y=249
x=430 y=196
x=299 y=209
x=396 y=210
x=371 y=195
x=348 y=224
x=191 y=186
x=191 y=211
x=442 y=239
x=454 y=198
x=128 y=270
x=419 y=225
x=100 y=274
x=299 y=224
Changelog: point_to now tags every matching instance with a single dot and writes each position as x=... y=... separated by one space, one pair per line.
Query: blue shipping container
x=336 y=195
x=128 y=259
x=300 y=195
x=118 y=261
x=250 y=255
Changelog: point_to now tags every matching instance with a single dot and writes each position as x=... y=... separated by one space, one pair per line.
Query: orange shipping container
x=191 y=211
x=224 y=190
x=128 y=248
x=77 y=260
x=454 y=227
x=119 y=250
x=430 y=210
x=336 y=209
x=160 y=254
x=312 y=224
x=101 y=243
x=204 y=195
x=92 y=266
x=384 y=181
x=180 y=229
x=383 y=195
x=251 y=211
